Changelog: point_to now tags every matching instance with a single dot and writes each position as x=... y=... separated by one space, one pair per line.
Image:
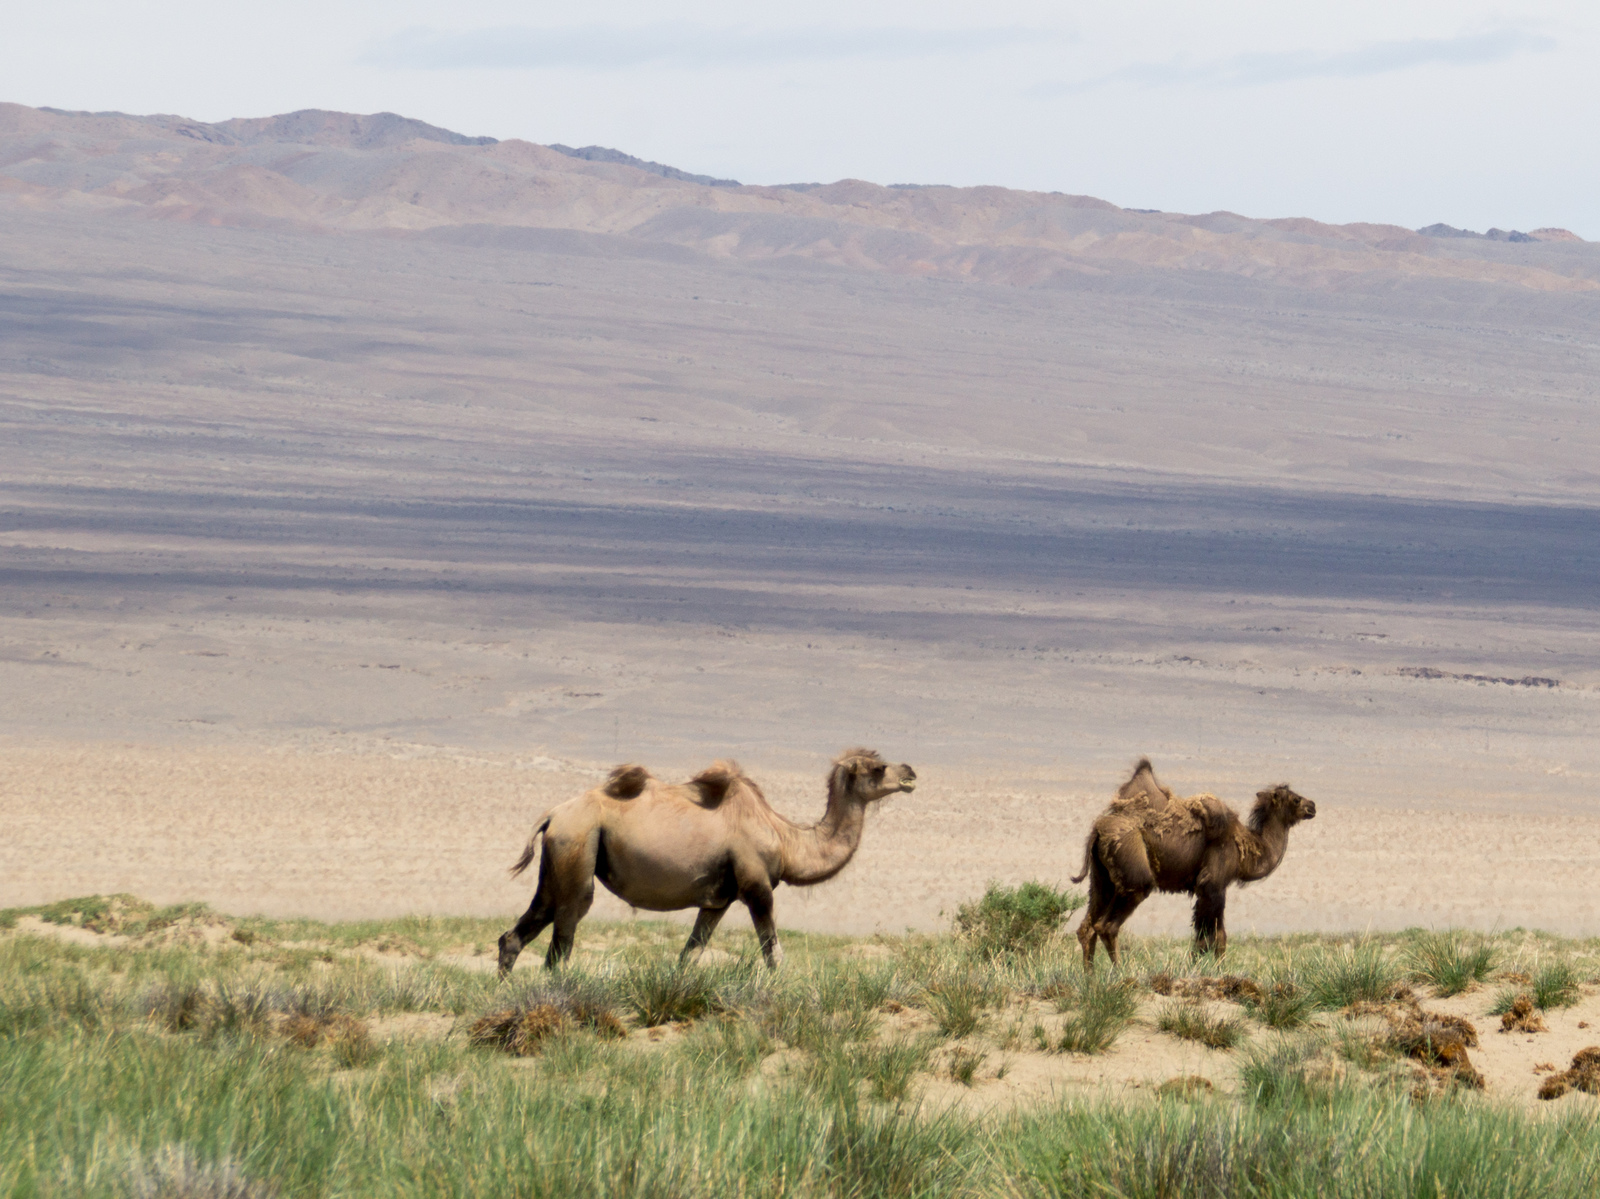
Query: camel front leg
x=1209 y=934
x=704 y=925
x=758 y=898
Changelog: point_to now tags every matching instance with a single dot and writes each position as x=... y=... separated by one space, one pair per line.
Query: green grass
x=660 y=991
x=281 y=1067
x=1099 y=1007
x=1450 y=962
x=1338 y=976
x=1353 y=1147
x=1284 y=1004
x=1193 y=1023
x=1553 y=985
x=958 y=1000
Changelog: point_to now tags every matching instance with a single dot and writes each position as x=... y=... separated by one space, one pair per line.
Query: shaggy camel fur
x=1152 y=840
x=700 y=844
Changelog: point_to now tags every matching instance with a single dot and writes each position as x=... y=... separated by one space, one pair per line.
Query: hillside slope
x=342 y=172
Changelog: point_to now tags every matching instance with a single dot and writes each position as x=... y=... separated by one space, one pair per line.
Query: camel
x=701 y=844
x=1152 y=840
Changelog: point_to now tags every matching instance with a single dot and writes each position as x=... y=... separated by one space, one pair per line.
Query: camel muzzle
x=908 y=779
x=1308 y=810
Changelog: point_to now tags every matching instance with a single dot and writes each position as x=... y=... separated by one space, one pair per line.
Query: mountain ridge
x=343 y=173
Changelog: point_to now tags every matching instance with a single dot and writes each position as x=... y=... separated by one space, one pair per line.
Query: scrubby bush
x=1013 y=920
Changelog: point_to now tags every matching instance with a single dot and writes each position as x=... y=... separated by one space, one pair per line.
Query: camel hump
x=626 y=781
x=1144 y=788
x=1215 y=816
x=715 y=781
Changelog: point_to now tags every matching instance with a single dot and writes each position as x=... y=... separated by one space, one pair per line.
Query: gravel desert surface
x=334 y=550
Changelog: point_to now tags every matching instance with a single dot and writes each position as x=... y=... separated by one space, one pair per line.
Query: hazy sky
x=1406 y=111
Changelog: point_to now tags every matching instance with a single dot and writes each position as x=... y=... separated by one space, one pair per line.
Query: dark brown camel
x=1152 y=840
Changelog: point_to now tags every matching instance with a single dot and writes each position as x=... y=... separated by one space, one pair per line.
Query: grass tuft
x=963 y=1064
x=1450 y=962
x=1339 y=977
x=1101 y=1006
x=1555 y=985
x=1192 y=1023
x=520 y=1032
x=890 y=1068
x=958 y=1001
x=660 y=992
x=1283 y=1005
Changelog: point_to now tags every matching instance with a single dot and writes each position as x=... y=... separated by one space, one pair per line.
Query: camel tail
x=531 y=850
x=1088 y=860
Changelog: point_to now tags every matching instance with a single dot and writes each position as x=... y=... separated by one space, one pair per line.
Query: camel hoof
x=508 y=954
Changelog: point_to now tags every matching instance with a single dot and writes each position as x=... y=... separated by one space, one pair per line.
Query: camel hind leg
x=1129 y=879
x=575 y=873
x=528 y=928
x=1099 y=897
x=541 y=911
x=563 y=897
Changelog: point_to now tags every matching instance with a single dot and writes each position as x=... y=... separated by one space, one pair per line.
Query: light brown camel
x=700 y=844
x=1152 y=840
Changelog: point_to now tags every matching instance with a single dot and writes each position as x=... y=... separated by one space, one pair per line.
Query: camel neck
x=1272 y=841
x=816 y=854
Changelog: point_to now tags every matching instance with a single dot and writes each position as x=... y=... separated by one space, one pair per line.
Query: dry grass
x=1583 y=1075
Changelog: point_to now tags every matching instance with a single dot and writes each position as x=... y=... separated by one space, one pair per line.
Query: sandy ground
x=1143 y=1057
x=1012 y=1070
x=343 y=835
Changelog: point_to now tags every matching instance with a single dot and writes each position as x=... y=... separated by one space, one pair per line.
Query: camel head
x=1282 y=802
x=862 y=776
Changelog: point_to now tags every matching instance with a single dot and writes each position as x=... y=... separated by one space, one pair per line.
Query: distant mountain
x=344 y=172
x=314 y=126
x=1443 y=230
x=601 y=154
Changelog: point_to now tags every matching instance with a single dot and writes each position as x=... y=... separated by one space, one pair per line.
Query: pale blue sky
x=1409 y=111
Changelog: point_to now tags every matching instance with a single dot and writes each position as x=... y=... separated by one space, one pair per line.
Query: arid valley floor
x=331 y=554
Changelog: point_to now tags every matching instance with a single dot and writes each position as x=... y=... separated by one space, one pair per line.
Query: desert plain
x=363 y=493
